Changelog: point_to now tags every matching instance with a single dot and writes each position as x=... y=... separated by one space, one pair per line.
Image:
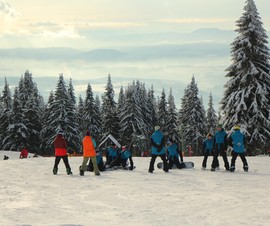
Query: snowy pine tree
x=192 y=119
x=110 y=123
x=91 y=119
x=17 y=133
x=247 y=93
x=211 y=117
x=162 y=112
x=6 y=110
x=172 y=118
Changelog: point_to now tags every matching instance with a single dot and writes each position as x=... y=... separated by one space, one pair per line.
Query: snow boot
x=232 y=169
x=245 y=168
x=55 y=171
x=81 y=171
x=213 y=169
x=69 y=171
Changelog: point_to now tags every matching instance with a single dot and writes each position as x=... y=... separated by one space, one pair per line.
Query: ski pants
x=65 y=160
x=206 y=154
x=174 y=160
x=242 y=156
x=220 y=150
x=94 y=161
x=153 y=159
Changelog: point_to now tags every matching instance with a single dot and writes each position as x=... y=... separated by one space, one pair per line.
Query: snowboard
x=187 y=165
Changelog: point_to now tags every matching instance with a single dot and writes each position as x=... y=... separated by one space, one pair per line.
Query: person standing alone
x=60 y=146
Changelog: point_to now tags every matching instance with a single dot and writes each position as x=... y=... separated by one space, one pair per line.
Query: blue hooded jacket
x=238 y=139
x=125 y=154
x=208 y=145
x=173 y=151
x=157 y=138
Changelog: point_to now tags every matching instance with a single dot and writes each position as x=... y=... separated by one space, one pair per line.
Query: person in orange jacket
x=89 y=145
x=24 y=153
x=60 y=146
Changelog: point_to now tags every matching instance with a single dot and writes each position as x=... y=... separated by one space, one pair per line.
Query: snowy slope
x=31 y=195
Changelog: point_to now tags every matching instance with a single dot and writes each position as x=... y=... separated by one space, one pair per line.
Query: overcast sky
x=32 y=23
x=125 y=25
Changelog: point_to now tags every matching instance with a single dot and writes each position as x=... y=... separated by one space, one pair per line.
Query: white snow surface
x=31 y=195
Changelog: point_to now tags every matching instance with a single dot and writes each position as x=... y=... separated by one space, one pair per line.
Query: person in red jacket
x=24 y=153
x=60 y=146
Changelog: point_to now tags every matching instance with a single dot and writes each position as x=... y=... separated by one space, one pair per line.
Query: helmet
x=237 y=127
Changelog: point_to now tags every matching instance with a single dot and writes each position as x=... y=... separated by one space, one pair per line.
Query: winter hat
x=219 y=126
x=237 y=127
x=124 y=148
x=87 y=133
x=209 y=135
x=157 y=128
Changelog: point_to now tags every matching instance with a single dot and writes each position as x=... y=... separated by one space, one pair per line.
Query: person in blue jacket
x=173 y=154
x=158 y=149
x=111 y=154
x=220 y=148
x=208 y=146
x=100 y=162
x=122 y=159
x=237 y=140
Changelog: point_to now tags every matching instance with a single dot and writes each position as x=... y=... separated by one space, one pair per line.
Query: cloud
x=6 y=10
x=193 y=20
x=69 y=33
x=109 y=25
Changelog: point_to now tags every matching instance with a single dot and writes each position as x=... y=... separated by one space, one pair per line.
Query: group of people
x=218 y=145
x=168 y=151
x=91 y=155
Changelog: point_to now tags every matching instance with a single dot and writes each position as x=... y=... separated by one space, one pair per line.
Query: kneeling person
x=122 y=159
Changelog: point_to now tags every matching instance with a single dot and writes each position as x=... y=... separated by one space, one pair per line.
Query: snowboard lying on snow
x=187 y=165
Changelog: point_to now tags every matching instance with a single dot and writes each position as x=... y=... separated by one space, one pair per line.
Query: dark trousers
x=57 y=160
x=242 y=156
x=153 y=159
x=206 y=154
x=101 y=166
x=220 y=150
x=174 y=160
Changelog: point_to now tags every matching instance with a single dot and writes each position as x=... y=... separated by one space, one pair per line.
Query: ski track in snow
x=31 y=195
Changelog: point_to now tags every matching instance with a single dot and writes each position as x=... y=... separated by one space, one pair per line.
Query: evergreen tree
x=152 y=106
x=247 y=93
x=6 y=110
x=211 y=117
x=110 y=124
x=31 y=109
x=192 y=118
x=17 y=133
x=46 y=146
x=162 y=112
x=91 y=114
x=80 y=112
x=172 y=117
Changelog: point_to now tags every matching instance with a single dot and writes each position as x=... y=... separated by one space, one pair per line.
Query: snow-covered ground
x=31 y=195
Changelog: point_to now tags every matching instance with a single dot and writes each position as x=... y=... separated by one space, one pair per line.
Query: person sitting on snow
x=173 y=154
x=111 y=154
x=100 y=162
x=24 y=153
x=122 y=159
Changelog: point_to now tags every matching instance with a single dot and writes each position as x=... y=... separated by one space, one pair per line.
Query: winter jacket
x=125 y=155
x=173 y=151
x=208 y=145
x=60 y=146
x=89 y=145
x=24 y=153
x=157 y=141
x=220 y=139
x=112 y=152
x=99 y=159
x=238 y=141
